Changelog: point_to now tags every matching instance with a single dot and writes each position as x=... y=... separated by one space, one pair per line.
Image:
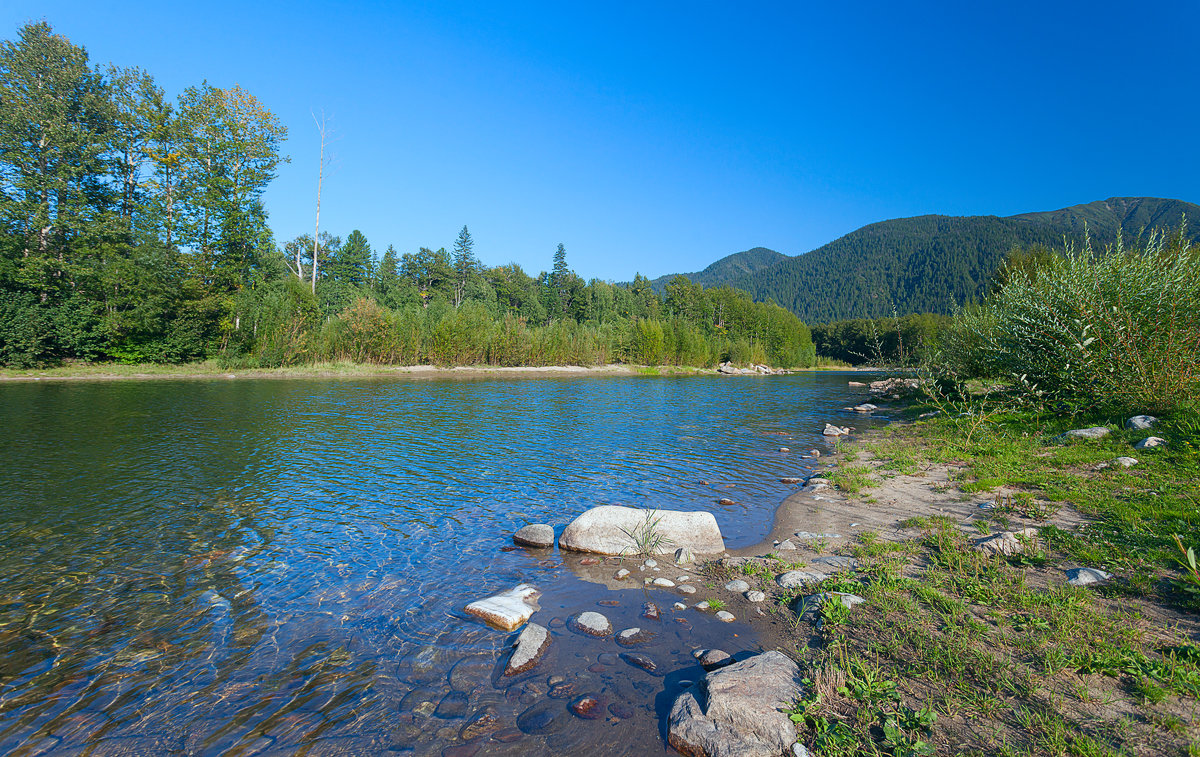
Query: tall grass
x=288 y=332
x=1114 y=329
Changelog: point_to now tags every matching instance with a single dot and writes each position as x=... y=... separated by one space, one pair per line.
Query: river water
x=279 y=566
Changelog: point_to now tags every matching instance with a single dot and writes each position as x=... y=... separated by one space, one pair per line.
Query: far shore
x=210 y=370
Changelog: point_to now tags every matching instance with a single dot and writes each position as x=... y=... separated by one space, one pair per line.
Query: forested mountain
x=928 y=264
x=728 y=268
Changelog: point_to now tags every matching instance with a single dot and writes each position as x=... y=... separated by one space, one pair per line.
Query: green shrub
x=1116 y=329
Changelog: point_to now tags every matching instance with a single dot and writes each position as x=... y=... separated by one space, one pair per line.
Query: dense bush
x=1118 y=328
x=880 y=341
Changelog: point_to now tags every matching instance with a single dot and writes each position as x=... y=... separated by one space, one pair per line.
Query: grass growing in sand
x=959 y=652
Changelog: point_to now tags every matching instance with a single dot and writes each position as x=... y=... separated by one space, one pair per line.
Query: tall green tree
x=466 y=265
x=56 y=130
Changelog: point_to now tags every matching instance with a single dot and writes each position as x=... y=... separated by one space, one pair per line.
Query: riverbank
x=210 y=369
x=941 y=634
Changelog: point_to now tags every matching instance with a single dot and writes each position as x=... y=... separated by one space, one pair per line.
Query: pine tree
x=465 y=264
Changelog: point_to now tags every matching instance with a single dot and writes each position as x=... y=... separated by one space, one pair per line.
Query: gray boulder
x=535 y=535
x=1141 y=422
x=528 y=649
x=736 y=711
x=612 y=530
x=794 y=579
x=835 y=563
x=737 y=585
x=1150 y=442
x=1006 y=543
x=1095 y=432
x=812 y=603
x=1086 y=576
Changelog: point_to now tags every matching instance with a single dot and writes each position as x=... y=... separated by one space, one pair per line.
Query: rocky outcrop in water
x=528 y=649
x=535 y=535
x=735 y=711
x=612 y=530
x=506 y=611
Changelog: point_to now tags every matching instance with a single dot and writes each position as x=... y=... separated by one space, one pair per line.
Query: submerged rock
x=528 y=649
x=633 y=636
x=535 y=535
x=506 y=611
x=452 y=706
x=588 y=707
x=547 y=716
x=607 y=530
x=643 y=662
x=736 y=711
x=591 y=624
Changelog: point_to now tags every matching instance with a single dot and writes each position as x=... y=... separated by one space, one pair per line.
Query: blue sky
x=658 y=137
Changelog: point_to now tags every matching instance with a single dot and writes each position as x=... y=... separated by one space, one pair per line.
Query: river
x=279 y=566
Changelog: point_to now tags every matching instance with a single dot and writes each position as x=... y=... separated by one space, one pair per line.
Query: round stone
x=535 y=535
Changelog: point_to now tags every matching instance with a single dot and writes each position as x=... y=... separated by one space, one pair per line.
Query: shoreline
x=207 y=371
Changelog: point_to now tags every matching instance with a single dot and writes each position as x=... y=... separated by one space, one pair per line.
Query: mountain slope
x=932 y=263
x=729 y=268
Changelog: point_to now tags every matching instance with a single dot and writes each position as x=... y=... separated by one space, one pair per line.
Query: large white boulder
x=612 y=530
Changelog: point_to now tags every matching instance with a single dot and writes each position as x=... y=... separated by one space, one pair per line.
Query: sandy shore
x=345 y=371
x=210 y=371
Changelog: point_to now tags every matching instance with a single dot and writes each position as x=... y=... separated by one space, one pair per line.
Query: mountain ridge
x=928 y=263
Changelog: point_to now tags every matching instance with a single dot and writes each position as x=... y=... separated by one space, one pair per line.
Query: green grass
x=851 y=479
x=955 y=651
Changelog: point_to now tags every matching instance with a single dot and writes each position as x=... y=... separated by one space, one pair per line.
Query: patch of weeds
x=851 y=479
x=716 y=604
x=646 y=536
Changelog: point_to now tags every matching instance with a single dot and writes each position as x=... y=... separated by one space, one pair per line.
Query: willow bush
x=1113 y=329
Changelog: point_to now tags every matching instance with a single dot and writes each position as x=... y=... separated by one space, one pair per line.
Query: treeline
x=446 y=308
x=132 y=229
x=905 y=340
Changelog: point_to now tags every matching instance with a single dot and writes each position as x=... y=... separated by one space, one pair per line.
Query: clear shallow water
x=274 y=566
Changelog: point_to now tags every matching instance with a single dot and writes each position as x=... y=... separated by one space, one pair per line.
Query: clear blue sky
x=660 y=137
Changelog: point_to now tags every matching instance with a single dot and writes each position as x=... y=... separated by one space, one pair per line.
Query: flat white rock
x=506 y=611
x=725 y=617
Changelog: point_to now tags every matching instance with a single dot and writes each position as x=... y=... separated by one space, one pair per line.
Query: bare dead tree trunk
x=324 y=132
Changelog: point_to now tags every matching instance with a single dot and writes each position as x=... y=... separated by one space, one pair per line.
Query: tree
x=230 y=146
x=56 y=131
x=465 y=264
x=353 y=262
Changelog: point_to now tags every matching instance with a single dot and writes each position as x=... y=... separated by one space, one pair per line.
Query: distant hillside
x=927 y=263
x=728 y=268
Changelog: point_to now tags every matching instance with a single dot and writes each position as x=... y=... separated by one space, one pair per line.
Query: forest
x=132 y=229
